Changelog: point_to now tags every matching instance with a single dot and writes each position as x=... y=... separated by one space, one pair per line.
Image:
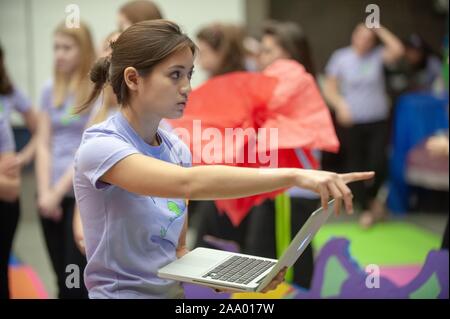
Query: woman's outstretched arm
x=145 y=175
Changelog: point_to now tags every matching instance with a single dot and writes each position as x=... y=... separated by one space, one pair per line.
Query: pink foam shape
x=400 y=275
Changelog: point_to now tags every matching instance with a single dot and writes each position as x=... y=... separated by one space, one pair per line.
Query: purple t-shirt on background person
x=15 y=101
x=66 y=131
x=6 y=136
x=362 y=83
x=128 y=237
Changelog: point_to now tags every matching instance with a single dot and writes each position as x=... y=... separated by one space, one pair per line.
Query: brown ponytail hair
x=142 y=46
x=228 y=41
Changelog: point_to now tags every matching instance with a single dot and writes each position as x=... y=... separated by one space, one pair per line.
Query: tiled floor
x=29 y=244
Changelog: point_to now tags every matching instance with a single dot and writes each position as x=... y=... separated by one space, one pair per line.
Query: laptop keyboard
x=240 y=270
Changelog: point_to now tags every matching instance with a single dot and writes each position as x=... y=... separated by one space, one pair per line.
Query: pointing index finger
x=357 y=176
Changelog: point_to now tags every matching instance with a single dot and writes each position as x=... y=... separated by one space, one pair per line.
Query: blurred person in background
x=284 y=40
x=355 y=89
x=13 y=99
x=59 y=135
x=220 y=51
x=9 y=194
x=136 y=11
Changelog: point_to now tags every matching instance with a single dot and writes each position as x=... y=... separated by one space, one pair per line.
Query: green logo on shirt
x=174 y=208
x=366 y=68
x=69 y=116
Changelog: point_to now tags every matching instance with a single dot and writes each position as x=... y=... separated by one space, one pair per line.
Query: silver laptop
x=238 y=272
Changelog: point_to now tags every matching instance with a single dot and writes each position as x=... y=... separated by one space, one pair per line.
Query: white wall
x=26 y=30
x=15 y=42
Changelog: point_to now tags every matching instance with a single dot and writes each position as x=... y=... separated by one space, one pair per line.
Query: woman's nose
x=186 y=88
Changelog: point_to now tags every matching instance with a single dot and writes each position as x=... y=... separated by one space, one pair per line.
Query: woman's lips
x=181 y=106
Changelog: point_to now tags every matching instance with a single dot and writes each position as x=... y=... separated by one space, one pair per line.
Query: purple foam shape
x=354 y=286
x=437 y=263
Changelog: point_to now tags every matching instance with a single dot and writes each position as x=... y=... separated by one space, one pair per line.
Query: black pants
x=445 y=238
x=364 y=149
x=261 y=238
x=334 y=162
x=9 y=218
x=217 y=225
x=256 y=234
x=63 y=251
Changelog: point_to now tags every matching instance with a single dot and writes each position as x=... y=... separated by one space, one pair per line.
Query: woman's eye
x=175 y=75
x=190 y=74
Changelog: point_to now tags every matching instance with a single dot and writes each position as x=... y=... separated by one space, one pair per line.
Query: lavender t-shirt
x=66 y=131
x=362 y=83
x=16 y=100
x=128 y=237
x=6 y=136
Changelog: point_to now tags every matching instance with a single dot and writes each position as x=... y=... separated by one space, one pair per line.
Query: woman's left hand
x=278 y=279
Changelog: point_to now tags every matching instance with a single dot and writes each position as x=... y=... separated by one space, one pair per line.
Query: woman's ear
x=131 y=77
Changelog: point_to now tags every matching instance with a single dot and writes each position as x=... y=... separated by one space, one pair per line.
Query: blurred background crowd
x=386 y=89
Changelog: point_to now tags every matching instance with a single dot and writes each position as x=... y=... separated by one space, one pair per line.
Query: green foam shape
x=390 y=243
x=429 y=290
x=333 y=278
